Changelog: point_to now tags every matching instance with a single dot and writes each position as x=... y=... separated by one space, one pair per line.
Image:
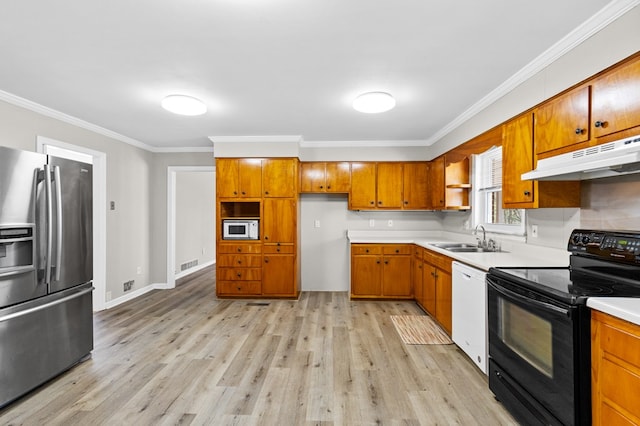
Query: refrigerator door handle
x=56 y=173
x=17 y=271
x=49 y=207
x=45 y=306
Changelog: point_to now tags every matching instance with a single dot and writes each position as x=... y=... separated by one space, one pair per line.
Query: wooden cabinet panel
x=238 y=288
x=338 y=177
x=381 y=271
x=239 y=274
x=279 y=177
x=443 y=299
x=615 y=370
x=389 y=186
x=436 y=183
x=615 y=104
x=366 y=279
x=279 y=220
x=278 y=275
x=239 y=178
x=457 y=184
x=429 y=288
x=415 y=186
x=313 y=177
x=396 y=276
x=563 y=121
x=333 y=177
x=517 y=158
x=363 y=186
x=279 y=248
x=239 y=248
x=417 y=278
x=244 y=261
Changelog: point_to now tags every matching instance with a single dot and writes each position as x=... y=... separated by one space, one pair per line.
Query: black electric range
x=539 y=326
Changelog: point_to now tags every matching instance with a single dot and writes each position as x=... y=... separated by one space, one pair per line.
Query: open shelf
x=240 y=209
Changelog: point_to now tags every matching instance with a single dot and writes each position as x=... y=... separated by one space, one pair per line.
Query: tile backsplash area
x=612 y=203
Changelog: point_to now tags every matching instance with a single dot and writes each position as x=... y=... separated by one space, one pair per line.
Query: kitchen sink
x=466 y=248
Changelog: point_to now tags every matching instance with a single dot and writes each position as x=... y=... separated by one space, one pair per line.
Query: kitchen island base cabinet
x=381 y=271
x=615 y=370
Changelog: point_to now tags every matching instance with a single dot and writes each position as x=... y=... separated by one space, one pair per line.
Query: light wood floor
x=184 y=357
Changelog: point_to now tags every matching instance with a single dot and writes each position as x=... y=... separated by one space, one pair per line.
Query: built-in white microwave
x=240 y=229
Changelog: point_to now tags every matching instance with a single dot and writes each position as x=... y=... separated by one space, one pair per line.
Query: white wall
x=195 y=219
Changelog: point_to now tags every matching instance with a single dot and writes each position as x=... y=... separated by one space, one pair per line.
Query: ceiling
x=273 y=67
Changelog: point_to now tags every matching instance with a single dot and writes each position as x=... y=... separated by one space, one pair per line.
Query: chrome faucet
x=482 y=243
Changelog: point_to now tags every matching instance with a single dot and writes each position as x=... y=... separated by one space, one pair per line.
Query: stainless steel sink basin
x=465 y=248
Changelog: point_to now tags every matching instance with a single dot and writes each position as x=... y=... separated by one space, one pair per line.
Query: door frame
x=172 y=172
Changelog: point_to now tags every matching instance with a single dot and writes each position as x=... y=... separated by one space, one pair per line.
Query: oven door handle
x=512 y=294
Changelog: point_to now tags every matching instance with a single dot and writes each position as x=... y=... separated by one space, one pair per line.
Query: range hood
x=611 y=159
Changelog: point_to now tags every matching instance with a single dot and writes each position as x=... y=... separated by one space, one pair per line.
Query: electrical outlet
x=372 y=223
x=108 y=296
x=316 y=224
x=534 y=231
x=139 y=270
x=390 y=223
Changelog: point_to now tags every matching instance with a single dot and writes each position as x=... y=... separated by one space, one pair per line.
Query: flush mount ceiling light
x=184 y=105
x=374 y=102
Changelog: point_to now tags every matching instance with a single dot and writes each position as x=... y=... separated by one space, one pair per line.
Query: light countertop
x=624 y=308
x=515 y=254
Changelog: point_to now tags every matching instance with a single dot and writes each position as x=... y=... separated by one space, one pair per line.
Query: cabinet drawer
x=366 y=249
x=239 y=274
x=239 y=261
x=622 y=340
x=239 y=287
x=240 y=248
x=396 y=249
x=283 y=249
x=418 y=252
x=438 y=260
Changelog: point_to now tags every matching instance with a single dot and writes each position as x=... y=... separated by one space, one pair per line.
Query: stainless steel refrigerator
x=46 y=268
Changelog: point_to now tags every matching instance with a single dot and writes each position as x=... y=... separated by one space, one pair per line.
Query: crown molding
x=363 y=144
x=597 y=22
x=52 y=113
x=257 y=139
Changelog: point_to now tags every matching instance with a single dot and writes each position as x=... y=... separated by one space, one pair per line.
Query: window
x=487 y=202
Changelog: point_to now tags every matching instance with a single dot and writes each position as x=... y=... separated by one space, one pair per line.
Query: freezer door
x=72 y=227
x=18 y=233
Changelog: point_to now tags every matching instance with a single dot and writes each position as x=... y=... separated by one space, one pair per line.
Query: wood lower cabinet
x=239 y=269
x=615 y=370
x=381 y=271
x=279 y=272
x=437 y=292
x=417 y=275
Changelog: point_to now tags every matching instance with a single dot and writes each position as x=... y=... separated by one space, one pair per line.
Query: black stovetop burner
x=602 y=263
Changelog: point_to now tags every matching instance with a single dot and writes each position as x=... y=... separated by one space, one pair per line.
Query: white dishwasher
x=469 y=312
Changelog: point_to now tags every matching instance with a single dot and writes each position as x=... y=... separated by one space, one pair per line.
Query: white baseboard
x=155 y=286
x=194 y=269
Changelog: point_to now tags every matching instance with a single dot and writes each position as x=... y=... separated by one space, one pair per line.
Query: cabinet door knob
x=235 y=192
x=366 y=251
x=600 y=123
x=371 y=202
x=378 y=262
x=380 y=202
x=266 y=192
x=266 y=237
x=406 y=202
x=239 y=250
x=239 y=262
x=321 y=187
x=244 y=193
x=238 y=274
x=266 y=260
x=328 y=186
x=278 y=249
x=579 y=131
x=397 y=251
x=527 y=193
x=386 y=262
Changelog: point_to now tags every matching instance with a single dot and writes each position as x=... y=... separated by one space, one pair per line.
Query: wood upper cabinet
x=389 y=182
x=333 y=177
x=415 y=186
x=239 y=177
x=381 y=271
x=279 y=220
x=518 y=158
x=615 y=370
x=457 y=185
x=436 y=183
x=363 y=186
x=279 y=177
x=562 y=121
x=615 y=103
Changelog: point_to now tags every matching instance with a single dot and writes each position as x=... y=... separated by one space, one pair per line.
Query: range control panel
x=618 y=245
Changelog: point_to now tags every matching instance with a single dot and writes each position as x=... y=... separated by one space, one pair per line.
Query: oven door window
x=528 y=335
